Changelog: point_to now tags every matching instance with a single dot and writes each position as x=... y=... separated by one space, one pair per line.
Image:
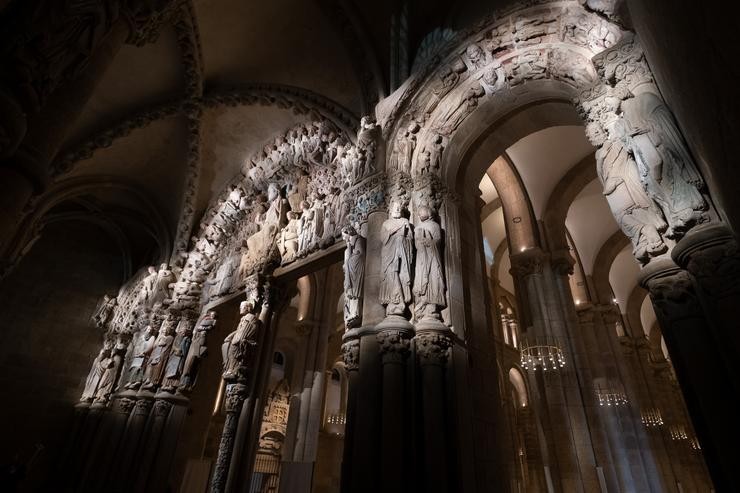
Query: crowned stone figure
x=429 y=277
x=396 y=260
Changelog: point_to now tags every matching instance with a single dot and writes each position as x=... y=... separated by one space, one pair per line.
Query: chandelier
x=611 y=396
x=336 y=419
x=651 y=418
x=542 y=353
x=678 y=432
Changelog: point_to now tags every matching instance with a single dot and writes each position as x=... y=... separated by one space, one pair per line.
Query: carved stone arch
x=519 y=382
x=150 y=218
x=603 y=264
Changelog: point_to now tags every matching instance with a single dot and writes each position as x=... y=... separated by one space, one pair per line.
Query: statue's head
x=164 y=267
x=396 y=209
x=424 y=212
x=152 y=269
x=474 y=52
x=348 y=232
x=272 y=191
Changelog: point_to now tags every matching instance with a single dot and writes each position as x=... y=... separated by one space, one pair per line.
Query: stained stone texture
x=48 y=340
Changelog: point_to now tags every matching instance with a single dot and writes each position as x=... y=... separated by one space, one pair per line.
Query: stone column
x=351 y=357
x=124 y=473
x=697 y=357
x=394 y=348
x=433 y=348
x=148 y=453
x=235 y=395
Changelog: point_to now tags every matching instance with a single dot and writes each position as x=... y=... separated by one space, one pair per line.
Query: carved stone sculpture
x=141 y=351
x=666 y=165
x=366 y=145
x=396 y=261
x=403 y=149
x=180 y=348
x=96 y=372
x=638 y=216
x=105 y=310
x=429 y=276
x=289 y=238
x=162 y=287
x=354 y=276
x=239 y=346
x=197 y=351
x=112 y=365
x=467 y=103
x=147 y=288
x=260 y=245
x=225 y=276
x=154 y=372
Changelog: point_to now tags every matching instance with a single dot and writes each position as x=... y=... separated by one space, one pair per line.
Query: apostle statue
x=289 y=239
x=141 y=352
x=667 y=168
x=429 y=277
x=180 y=348
x=354 y=275
x=240 y=346
x=396 y=260
x=197 y=351
x=144 y=298
x=260 y=244
x=96 y=372
x=112 y=365
x=154 y=372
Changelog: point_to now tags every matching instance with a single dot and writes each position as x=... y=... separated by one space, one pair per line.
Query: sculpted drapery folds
x=197 y=351
x=180 y=347
x=429 y=281
x=354 y=276
x=239 y=347
x=142 y=349
x=637 y=214
x=396 y=261
x=666 y=167
x=154 y=372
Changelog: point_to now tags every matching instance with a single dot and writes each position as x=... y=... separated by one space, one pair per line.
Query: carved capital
x=142 y=408
x=433 y=348
x=624 y=64
x=161 y=408
x=562 y=262
x=351 y=354
x=711 y=255
x=235 y=395
x=527 y=263
x=674 y=296
x=394 y=345
x=123 y=405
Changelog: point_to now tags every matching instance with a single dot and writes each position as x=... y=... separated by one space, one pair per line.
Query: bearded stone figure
x=666 y=166
x=240 y=345
x=112 y=366
x=197 y=351
x=354 y=276
x=142 y=350
x=180 y=348
x=96 y=372
x=429 y=277
x=396 y=260
x=154 y=372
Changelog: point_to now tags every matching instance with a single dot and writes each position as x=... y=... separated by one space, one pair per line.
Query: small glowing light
x=614 y=300
x=578 y=302
x=522 y=249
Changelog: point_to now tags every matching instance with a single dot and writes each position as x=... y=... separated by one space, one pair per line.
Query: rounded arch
x=519 y=383
x=603 y=265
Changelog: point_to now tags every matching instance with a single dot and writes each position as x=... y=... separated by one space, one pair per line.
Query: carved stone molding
x=433 y=348
x=123 y=405
x=143 y=406
x=562 y=262
x=351 y=354
x=394 y=345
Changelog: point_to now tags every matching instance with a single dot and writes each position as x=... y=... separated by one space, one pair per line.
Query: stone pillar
x=394 y=348
x=351 y=356
x=235 y=395
x=148 y=453
x=170 y=435
x=433 y=349
x=697 y=357
x=124 y=473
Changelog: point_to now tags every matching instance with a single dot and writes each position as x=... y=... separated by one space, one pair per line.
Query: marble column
x=394 y=348
x=235 y=395
x=433 y=350
x=705 y=377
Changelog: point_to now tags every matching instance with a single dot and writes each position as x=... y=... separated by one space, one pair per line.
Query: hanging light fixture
x=678 y=432
x=652 y=418
x=542 y=353
x=611 y=396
